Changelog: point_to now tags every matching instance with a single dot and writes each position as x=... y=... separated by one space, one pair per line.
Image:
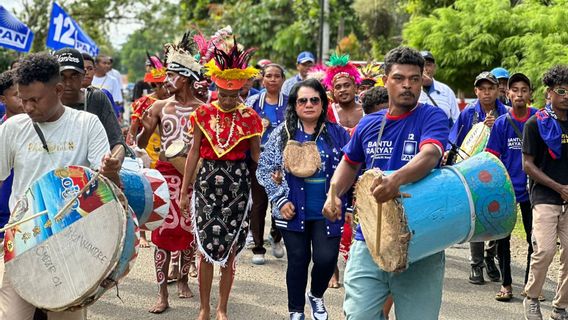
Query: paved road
x=259 y=292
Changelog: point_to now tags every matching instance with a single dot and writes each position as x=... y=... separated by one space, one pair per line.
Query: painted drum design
x=471 y=201
x=148 y=196
x=58 y=264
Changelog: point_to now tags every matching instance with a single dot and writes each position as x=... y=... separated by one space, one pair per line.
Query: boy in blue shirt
x=505 y=142
x=486 y=109
x=412 y=144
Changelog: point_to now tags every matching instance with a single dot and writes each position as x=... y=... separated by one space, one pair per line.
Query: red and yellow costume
x=138 y=108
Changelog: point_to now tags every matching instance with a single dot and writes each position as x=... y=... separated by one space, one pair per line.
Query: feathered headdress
x=339 y=67
x=179 y=57
x=317 y=72
x=230 y=70
x=157 y=72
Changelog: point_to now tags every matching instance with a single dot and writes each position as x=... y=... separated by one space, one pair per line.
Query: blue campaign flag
x=65 y=32
x=13 y=33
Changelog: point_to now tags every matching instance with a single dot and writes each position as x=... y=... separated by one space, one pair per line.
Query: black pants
x=477 y=248
x=258 y=215
x=312 y=244
x=504 y=257
x=526 y=213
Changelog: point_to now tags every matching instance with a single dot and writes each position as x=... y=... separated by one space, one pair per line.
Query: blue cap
x=305 y=57
x=500 y=73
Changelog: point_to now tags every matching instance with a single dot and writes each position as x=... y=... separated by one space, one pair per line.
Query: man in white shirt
x=103 y=79
x=437 y=93
x=70 y=137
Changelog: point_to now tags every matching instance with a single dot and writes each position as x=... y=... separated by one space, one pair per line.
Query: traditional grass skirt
x=221 y=204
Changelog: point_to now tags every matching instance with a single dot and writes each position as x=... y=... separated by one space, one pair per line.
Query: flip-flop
x=504 y=295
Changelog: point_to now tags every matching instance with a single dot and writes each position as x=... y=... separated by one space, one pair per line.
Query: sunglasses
x=560 y=91
x=313 y=100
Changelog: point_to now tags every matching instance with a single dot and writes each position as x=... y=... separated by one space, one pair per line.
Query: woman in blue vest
x=306 y=149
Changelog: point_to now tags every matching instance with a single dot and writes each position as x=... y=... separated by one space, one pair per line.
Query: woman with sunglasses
x=297 y=199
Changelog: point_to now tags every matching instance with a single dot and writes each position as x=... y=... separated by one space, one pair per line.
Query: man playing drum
x=63 y=137
x=409 y=138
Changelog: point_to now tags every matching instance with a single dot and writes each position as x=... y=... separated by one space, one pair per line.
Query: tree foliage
x=472 y=36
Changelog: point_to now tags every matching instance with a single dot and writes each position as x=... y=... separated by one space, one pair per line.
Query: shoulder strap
x=517 y=131
x=431 y=99
x=41 y=136
x=380 y=136
x=88 y=94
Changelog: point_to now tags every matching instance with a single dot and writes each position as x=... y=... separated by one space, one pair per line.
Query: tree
x=472 y=36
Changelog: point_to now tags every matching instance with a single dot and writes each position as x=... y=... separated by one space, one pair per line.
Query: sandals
x=504 y=295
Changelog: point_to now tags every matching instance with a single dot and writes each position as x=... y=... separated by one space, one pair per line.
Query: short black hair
x=403 y=55
x=557 y=75
x=373 y=97
x=88 y=57
x=42 y=67
x=6 y=81
x=100 y=57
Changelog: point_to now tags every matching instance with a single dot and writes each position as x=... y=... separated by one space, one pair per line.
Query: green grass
x=519 y=230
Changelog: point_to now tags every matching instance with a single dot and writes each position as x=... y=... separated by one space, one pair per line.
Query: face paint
x=171 y=82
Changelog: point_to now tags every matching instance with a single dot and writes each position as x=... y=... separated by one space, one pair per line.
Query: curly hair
x=374 y=97
x=6 y=81
x=292 y=118
x=557 y=75
x=41 y=67
x=403 y=55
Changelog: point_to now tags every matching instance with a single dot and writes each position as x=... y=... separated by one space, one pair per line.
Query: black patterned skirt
x=221 y=205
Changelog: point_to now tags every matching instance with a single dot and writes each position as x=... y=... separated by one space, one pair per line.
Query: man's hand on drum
x=184 y=204
x=332 y=211
x=489 y=120
x=385 y=188
x=110 y=167
x=288 y=211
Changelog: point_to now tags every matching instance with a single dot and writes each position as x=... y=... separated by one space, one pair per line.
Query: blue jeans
x=417 y=292
x=302 y=247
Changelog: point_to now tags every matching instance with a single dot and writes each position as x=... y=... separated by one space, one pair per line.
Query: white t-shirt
x=76 y=138
x=109 y=83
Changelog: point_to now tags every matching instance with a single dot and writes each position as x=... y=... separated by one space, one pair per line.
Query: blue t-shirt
x=315 y=189
x=275 y=113
x=402 y=138
x=466 y=120
x=507 y=145
x=2 y=109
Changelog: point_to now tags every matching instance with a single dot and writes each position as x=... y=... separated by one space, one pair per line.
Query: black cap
x=487 y=76
x=427 y=55
x=70 y=59
x=519 y=77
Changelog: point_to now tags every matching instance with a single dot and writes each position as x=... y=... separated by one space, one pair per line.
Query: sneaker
x=258 y=259
x=541 y=297
x=532 y=309
x=249 y=243
x=559 y=314
x=476 y=276
x=277 y=248
x=318 y=308
x=492 y=271
x=297 y=316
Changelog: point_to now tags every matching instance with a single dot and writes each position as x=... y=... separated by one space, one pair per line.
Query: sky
x=121 y=31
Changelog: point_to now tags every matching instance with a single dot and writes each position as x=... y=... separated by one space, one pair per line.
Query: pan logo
x=409 y=150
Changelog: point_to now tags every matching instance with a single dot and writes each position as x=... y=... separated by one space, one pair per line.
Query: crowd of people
x=234 y=142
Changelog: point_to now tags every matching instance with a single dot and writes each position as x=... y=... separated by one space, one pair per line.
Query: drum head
x=56 y=264
x=175 y=149
x=475 y=141
x=389 y=248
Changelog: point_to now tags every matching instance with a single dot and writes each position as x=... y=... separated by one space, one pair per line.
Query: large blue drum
x=471 y=201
